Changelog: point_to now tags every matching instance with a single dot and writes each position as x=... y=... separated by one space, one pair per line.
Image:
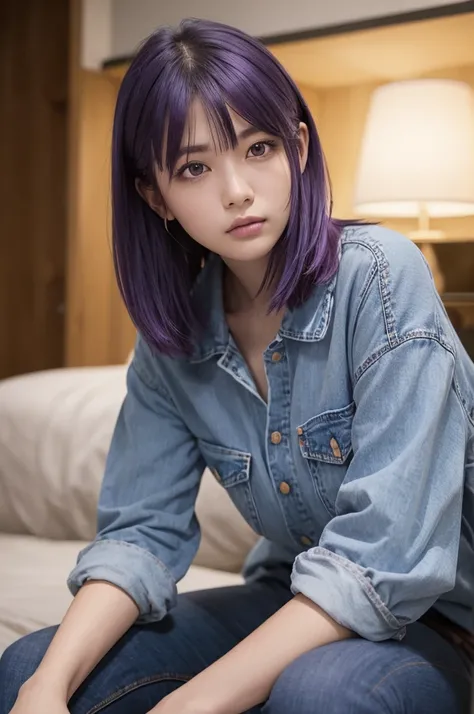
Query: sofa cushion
x=33 y=593
x=55 y=431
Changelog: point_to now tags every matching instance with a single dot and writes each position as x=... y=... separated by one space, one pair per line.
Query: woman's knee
x=361 y=676
x=19 y=662
x=327 y=679
x=302 y=688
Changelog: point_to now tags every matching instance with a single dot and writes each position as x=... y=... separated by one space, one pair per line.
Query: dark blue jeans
x=421 y=675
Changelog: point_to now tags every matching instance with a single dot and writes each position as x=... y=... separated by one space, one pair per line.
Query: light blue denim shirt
x=369 y=425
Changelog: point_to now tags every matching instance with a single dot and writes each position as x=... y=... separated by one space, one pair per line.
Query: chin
x=251 y=250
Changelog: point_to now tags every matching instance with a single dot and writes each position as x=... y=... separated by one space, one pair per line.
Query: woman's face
x=211 y=190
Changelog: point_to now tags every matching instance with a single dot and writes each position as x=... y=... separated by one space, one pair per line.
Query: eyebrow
x=202 y=148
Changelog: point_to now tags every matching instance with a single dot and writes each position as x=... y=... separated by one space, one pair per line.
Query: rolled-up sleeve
x=391 y=550
x=148 y=533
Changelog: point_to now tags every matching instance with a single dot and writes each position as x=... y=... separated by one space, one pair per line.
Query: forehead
x=199 y=129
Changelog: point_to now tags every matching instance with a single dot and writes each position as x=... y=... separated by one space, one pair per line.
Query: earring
x=165 y=221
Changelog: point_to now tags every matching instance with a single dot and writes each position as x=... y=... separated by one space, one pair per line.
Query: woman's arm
x=86 y=634
x=245 y=676
x=147 y=532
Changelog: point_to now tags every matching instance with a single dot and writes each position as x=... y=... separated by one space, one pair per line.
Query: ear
x=153 y=198
x=303 y=144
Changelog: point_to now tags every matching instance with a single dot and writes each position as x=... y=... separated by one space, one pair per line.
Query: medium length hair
x=222 y=67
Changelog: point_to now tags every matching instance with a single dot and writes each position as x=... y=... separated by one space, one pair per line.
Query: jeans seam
x=435 y=665
x=136 y=685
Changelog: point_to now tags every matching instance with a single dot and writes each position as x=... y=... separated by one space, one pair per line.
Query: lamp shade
x=418 y=151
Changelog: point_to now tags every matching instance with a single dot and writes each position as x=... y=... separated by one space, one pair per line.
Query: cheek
x=277 y=184
x=189 y=205
x=194 y=209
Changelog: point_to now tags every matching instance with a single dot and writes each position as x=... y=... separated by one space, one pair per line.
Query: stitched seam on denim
x=365 y=583
x=137 y=685
x=413 y=335
x=211 y=352
x=327 y=307
x=318 y=333
x=158 y=388
x=146 y=553
x=226 y=451
x=466 y=409
x=370 y=279
x=383 y=270
x=407 y=665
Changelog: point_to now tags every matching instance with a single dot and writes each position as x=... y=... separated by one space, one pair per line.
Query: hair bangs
x=179 y=132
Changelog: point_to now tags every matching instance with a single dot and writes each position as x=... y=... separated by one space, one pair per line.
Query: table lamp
x=417 y=157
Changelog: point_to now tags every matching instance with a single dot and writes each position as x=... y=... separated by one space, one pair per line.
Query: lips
x=248 y=220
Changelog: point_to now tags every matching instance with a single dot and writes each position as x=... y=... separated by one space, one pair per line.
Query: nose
x=236 y=191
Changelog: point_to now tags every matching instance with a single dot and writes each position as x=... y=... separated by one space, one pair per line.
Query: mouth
x=249 y=226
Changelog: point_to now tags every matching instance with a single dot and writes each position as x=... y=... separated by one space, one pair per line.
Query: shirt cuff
x=134 y=570
x=344 y=590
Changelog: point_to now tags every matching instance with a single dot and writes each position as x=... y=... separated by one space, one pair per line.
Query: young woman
x=311 y=365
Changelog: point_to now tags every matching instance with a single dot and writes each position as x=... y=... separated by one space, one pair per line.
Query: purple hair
x=223 y=67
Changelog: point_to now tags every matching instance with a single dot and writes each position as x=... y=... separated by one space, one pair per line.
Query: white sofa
x=55 y=430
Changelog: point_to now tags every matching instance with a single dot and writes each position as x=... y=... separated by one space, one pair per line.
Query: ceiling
x=382 y=54
x=377 y=55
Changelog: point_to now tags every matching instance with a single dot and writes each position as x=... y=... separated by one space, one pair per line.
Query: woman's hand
x=39 y=698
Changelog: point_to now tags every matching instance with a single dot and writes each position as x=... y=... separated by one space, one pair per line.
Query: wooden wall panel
x=33 y=149
x=99 y=330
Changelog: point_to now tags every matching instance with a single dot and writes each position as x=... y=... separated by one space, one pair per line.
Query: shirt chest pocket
x=325 y=441
x=231 y=469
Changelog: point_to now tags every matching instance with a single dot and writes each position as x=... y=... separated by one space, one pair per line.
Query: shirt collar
x=308 y=322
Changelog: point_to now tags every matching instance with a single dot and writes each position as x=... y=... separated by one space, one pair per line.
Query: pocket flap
x=328 y=436
x=229 y=466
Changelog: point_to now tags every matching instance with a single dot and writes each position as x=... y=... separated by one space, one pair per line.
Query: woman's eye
x=258 y=149
x=195 y=169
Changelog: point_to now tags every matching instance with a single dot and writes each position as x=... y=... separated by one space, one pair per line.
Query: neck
x=241 y=285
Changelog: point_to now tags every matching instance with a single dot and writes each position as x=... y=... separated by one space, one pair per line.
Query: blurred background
x=390 y=84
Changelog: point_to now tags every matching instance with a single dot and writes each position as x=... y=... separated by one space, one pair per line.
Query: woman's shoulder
x=385 y=289
x=387 y=261
x=379 y=248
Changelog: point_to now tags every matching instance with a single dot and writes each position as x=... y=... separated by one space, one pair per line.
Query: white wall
x=96 y=32
x=134 y=19
x=113 y=28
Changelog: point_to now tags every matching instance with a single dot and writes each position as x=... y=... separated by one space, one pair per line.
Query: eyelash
x=267 y=142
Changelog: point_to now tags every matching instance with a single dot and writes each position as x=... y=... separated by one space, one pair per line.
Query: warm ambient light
x=417 y=157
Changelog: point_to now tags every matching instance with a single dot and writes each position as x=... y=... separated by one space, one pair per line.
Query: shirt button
x=305 y=540
x=285 y=488
x=275 y=437
x=335 y=448
x=276 y=356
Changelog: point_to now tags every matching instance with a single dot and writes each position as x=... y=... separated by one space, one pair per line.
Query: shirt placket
x=278 y=447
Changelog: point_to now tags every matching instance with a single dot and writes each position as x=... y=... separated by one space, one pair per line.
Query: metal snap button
x=335 y=448
x=285 y=488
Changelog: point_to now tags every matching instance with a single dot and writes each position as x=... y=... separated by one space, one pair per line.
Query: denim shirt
x=358 y=472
